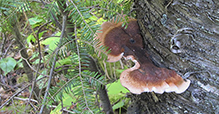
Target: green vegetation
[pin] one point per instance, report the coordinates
(60, 58)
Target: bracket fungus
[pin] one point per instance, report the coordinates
(144, 76)
(114, 36)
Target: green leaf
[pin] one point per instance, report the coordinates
(34, 20)
(68, 99)
(116, 88)
(43, 82)
(52, 42)
(30, 37)
(7, 64)
(41, 33)
(24, 7)
(64, 61)
(119, 70)
(118, 105)
(116, 91)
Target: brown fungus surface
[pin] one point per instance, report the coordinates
(115, 37)
(144, 76)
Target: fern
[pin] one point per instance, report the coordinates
(7, 10)
(78, 84)
(84, 83)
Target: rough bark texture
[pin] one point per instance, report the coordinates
(182, 35)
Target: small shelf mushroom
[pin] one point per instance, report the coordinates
(114, 36)
(144, 76)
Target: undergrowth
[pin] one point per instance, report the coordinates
(74, 86)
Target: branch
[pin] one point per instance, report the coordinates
(24, 54)
(14, 96)
(18, 98)
(18, 93)
(55, 19)
(79, 61)
(54, 62)
(68, 111)
(102, 92)
(40, 58)
(107, 107)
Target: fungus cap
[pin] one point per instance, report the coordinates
(114, 36)
(147, 78)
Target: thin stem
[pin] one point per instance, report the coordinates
(40, 58)
(79, 61)
(54, 62)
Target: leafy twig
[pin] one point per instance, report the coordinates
(27, 62)
(55, 19)
(79, 12)
(54, 62)
(79, 64)
(40, 58)
(53, 106)
(69, 81)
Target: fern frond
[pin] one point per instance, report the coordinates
(81, 83)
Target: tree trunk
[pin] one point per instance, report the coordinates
(182, 35)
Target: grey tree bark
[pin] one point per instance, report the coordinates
(182, 35)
